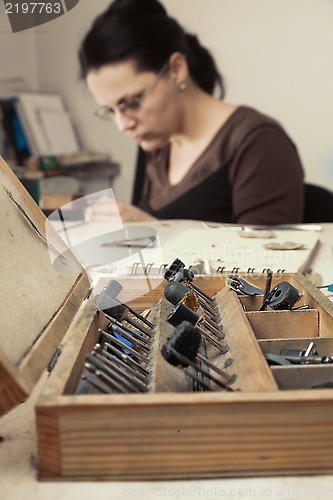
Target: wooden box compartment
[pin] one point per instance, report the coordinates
(295, 330)
(301, 376)
(51, 323)
(168, 435)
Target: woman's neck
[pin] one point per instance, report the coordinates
(203, 116)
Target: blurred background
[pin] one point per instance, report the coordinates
(275, 55)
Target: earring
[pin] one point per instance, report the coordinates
(182, 86)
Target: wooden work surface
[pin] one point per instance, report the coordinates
(18, 470)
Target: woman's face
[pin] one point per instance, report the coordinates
(146, 106)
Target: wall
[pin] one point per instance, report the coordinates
(276, 55)
(18, 53)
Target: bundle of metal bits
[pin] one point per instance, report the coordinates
(183, 313)
(210, 320)
(107, 302)
(119, 362)
(115, 371)
(178, 272)
(194, 305)
(181, 350)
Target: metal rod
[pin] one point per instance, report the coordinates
(127, 358)
(198, 380)
(140, 317)
(212, 340)
(146, 336)
(230, 378)
(200, 292)
(105, 366)
(267, 290)
(129, 320)
(204, 372)
(130, 338)
(118, 342)
(114, 357)
(212, 328)
(111, 383)
(96, 383)
(207, 307)
(135, 323)
(135, 333)
(108, 380)
(121, 369)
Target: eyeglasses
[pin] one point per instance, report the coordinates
(132, 105)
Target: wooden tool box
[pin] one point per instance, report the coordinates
(274, 425)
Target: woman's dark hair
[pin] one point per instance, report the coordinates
(142, 31)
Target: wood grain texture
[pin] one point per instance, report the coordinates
(38, 301)
(79, 340)
(302, 377)
(316, 300)
(164, 376)
(322, 345)
(39, 356)
(174, 436)
(13, 388)
(253, 373)
(284, 324)
(32, 291)
(49, 443)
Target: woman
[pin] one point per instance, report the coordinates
(205, 159)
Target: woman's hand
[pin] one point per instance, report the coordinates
(130, 213)
(108, 210)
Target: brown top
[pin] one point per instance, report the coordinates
(250, 173)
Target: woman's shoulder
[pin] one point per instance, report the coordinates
(246, 122)
(246, 118)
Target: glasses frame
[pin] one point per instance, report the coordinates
(131, 106)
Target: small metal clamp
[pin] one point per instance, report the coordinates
(242, 286)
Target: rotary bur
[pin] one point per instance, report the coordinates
(181, 350)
